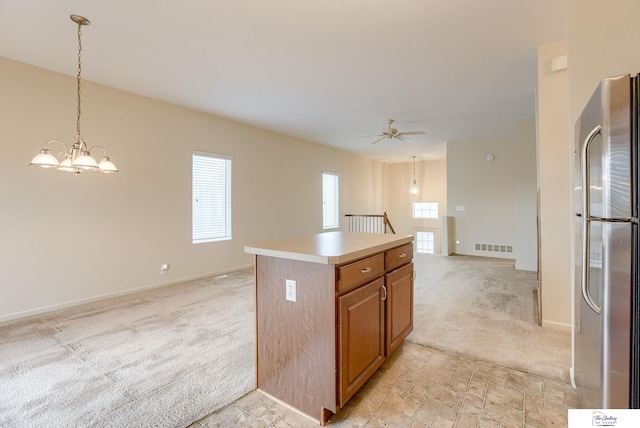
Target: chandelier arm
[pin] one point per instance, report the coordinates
(66, 149)
(98, 147)
(80, 144)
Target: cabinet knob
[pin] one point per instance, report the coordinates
(365, 270)
(401, 255)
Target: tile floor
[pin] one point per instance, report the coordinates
(423, 387)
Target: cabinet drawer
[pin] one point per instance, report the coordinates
(360, 272)
(398, 256)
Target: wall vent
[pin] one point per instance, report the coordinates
(494, 248)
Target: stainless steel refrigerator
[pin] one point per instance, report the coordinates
(606, 316)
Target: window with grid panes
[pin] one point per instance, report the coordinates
(425, 210)
(425, 242)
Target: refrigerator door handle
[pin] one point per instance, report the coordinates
(586, 256)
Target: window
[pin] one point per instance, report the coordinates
(425, 242)
(425, 210)
(330, 210)
(211, 194)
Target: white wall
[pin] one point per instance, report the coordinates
(554, 180)
(603, 41)
(486, 190)
(526, 246)
(498, 196)
(68, 239)
(431, 178)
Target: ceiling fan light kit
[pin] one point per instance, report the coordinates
(78, 158)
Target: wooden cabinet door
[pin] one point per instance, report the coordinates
(399, 307)
(361, 337)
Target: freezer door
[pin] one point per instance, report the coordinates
(602, 340)
(587, 370)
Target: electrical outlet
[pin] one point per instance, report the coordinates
(164, 268)
(291, 290)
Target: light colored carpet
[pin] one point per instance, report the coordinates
(162, 358)
(484, 308)
(170, 356)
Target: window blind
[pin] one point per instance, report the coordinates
(211, 197)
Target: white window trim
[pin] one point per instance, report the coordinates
(336, 202)
(413, 210)
(433, 234)
(199, 237)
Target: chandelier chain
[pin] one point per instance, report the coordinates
(78, 78)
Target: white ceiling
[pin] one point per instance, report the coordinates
(327, 71)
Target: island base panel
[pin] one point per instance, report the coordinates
(296, 342)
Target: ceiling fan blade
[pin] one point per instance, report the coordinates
(369, 136)
(412, 133)
(402, 138)
(378, 140)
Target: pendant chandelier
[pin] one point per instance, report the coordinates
(414, 187)
(77, 159)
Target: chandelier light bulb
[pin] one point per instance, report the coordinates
(414, 189)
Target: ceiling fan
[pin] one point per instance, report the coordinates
(390, 133)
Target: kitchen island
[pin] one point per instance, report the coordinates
(330, 308)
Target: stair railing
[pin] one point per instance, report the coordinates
(369, 223)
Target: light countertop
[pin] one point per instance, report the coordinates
(332, 248)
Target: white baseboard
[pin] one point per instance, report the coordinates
(557, 325)
(572, 377)
(51, 308)
(525, 267)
